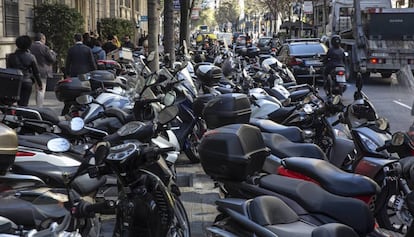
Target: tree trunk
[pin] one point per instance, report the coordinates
(185, 21)
(168, 37)
(153, 32)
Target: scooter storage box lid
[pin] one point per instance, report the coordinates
(227, 109)
(8, 150)
(102, 78)
(10, 84)
(200, 102)
(232, 152)
(208, 74)
(68, 89)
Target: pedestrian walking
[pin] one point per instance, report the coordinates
(45, 58)
(79, 59)
(128, 43)
(97, 50)
(25, 61)
(109, 45)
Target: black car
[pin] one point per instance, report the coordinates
(267, 44)
(304, 58)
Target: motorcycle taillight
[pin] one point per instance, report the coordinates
(341, 73)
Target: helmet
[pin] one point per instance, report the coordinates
(335, 40)
(361, 111)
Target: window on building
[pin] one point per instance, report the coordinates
(127, 3)
(11, 17)
(136, 5)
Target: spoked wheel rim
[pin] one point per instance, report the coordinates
(181, 224)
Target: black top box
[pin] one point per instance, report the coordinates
(227, 109)
(233, 152)
(10, 84)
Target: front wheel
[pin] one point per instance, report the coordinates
(392, 212)
(181, 223)
(193, 140)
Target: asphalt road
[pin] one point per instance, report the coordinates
(393, 99)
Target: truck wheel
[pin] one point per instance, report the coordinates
(386, 74)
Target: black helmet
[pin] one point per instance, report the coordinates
(336, 40)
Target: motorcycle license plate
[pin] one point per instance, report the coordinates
(340, 78)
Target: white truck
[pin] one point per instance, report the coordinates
(378, 38)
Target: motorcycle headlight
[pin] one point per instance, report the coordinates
(370, 144)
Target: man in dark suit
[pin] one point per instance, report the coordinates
(45, 58)
(79, 59)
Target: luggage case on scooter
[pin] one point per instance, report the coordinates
(233, 152)
(68, 89)
(8, 148)
(102, 79)
(10, 85)
(227, 109)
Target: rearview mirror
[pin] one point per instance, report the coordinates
(76, 124)
(58, 145)
(336, 100)
(169, 98)
(382, 124)
(397, 139)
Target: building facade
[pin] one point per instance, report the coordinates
(16, 17)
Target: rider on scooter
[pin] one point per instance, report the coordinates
(335, 57)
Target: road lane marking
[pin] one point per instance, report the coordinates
(402, 104)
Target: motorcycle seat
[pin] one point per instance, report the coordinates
(29, 215)
(299, 94)
(292, 133)
(52, 175)
(281, 114)
(274, 215)
(36, 141)
(282, 147)
(47, 114)
(331, 178)
(315, 199)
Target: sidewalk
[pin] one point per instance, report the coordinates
(198, 192)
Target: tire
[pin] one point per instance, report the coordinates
(181, 225)
(193, 140)
(392, 213)
(386, 74)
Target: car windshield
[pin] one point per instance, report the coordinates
(264, 41)
(307, 49)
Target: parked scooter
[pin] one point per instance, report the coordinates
(240, 153)
(268, 216)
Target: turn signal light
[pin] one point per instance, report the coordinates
(373, 60)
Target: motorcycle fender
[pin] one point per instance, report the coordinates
(340, 150)
(371, 166)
